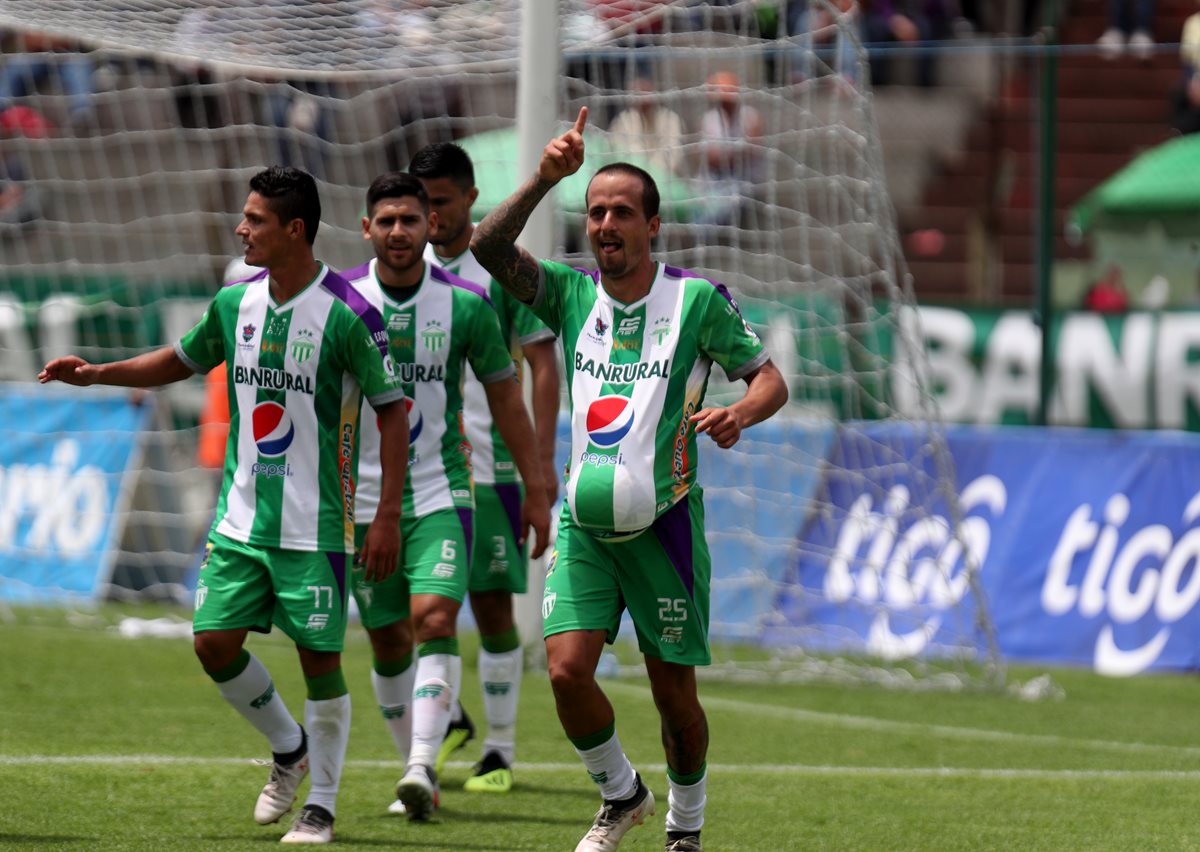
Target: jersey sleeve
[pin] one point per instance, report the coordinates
(203, 347)
(486, 350)
(727, 338)
(526, 325)
(368, 358)
(548, 307)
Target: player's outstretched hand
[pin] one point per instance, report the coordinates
(381, 550)
(70, 369)
(535, 512)
(721, 424)
(563, 155)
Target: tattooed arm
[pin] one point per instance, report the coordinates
(494, 242)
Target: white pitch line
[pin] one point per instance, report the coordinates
(870, 723)
(715, 768)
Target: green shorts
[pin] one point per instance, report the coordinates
(248, 586)
(434, 560)
(498, 561)
(662, 577)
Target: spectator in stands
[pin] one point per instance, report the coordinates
(649, 129)
(824, 32)
(1130, 24)
(1185, 97)
(42, 57)
(906, 22)
(733, 161)
(628, 23)
(198, 31)
(19, 203)
(1107, 295)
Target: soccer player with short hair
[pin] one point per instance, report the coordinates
(302, 349)
(498, 565)
(437, 324)
(639, 339)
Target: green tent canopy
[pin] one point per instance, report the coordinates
(1163, 185)
(494, 154)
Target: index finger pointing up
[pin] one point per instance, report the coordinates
(581, 120)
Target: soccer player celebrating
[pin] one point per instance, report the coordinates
(437, 324)
(498, 565)
(302, 349)
(639, 339)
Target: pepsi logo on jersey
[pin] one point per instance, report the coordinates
(609, 419)
(273, 429)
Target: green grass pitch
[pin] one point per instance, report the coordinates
(115, 743)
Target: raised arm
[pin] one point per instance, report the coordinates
(150, 369)
(494, 242)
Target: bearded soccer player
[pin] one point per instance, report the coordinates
(639, 339)
(437, 325)
(302, 349)
(498, 565)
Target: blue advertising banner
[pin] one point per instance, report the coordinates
(65, 461)
(1088, 544)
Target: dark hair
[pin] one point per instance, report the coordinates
(290, 194)
(444, 160)
(396, 185)
(650, 197)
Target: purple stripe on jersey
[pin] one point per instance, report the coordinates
(340, 288)
(439, 274)
(466, 517)
(355, 272)
(593, 274)
(510, 498)
(257, 276)
(676, 272)
(674, 530)
(337, 564)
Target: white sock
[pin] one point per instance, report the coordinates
(500, 679)
(328, 724)
(436, 674)
(394, 695)
(252, 693)
(610, 769)
(686, 805)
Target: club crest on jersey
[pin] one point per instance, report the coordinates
(248, 332)
(434, 336)
(609, 419)
(661, 330)
(303, 346)
(273, 429)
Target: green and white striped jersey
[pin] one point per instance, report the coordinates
(448, 324)
(491, 462)
(298, 373)
(636, 374)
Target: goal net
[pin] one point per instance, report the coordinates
(837, 530)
